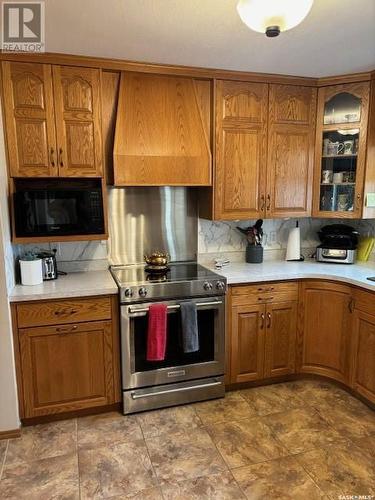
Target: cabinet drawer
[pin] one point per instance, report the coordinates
(264, 293)
(63, 311)
(364, 301)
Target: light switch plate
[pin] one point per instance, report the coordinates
(370, 200)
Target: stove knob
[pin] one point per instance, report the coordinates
(207, 286)
(142, 292)
(128, 293)
(220, 285)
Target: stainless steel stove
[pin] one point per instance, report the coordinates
(180, 377)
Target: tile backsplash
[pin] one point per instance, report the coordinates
(215, 239)
(222, 238)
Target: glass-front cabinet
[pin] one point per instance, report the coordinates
(340, 150)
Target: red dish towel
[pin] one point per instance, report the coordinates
(157, 332)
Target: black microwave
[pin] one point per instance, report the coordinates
(58, 207)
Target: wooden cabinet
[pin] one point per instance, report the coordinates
(325, 329)
(30, 120)
(281, 322)
(53, 122)
(247, 343)
(251, 119)
(241, 149)
(68, 355)
(78, 125)
(161, 136)
(341, 139)
(363, 354)
(263, 331)
(291, 136)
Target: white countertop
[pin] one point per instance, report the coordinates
(81, 284)
(355, 274)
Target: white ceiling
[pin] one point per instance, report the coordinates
(337, 37)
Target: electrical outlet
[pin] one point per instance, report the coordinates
(370, 200)
(273, 238)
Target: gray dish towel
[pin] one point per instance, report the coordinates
(190, 338)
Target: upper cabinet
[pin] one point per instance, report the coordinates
(30, 119)
(53, 123)
(78, 125)
(161, 135)
(241, 149)
(264, 151)
(291, 138)
(341, 150)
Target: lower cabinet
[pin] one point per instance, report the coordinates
(247, 349)
(280, 338)
(68, 366)
(324, 337)
(362, 377)
(263, 341)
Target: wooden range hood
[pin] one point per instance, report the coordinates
(161, 138)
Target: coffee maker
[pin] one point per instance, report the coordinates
(338, 244)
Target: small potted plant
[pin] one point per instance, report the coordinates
(254, 249)
(31, 269)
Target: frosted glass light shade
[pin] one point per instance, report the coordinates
(282, 14)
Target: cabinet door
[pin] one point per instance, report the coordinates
(363, 355)
(30, 122)
(341, 143)
(248, 323)
(281, 321)
(291, 138)
(241, 145)
(325, 329)
(78, 121)
(66, 367)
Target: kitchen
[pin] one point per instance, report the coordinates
(186, 254)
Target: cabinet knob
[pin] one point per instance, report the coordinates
(52, 157)
(262, 321)
(268, 202)
(358, 202)
(263, 203)
(269, 320)
(60, 159)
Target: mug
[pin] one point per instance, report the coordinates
(343, 202)
(338, 177)
(327, 176)
(326, 143)
(346, 176)
(335, 148)
(348, 147)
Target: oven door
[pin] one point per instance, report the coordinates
(177, 365)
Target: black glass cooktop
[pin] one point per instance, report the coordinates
(181, 271)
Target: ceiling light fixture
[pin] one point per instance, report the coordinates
(273, 16)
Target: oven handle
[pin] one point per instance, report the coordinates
(179, 389)
(134, 310)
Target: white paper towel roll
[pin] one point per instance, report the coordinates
(293, 250)
(31, 272)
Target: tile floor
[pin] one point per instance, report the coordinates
(300, 440)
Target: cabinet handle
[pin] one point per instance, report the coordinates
(351, 305)
(60, 157)
(263, 203)
(269, 320)
(65, 311)
(66, 329)
(262, 322)
(358, 203)
(51, 157)
(268, 202)
(265, 298)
